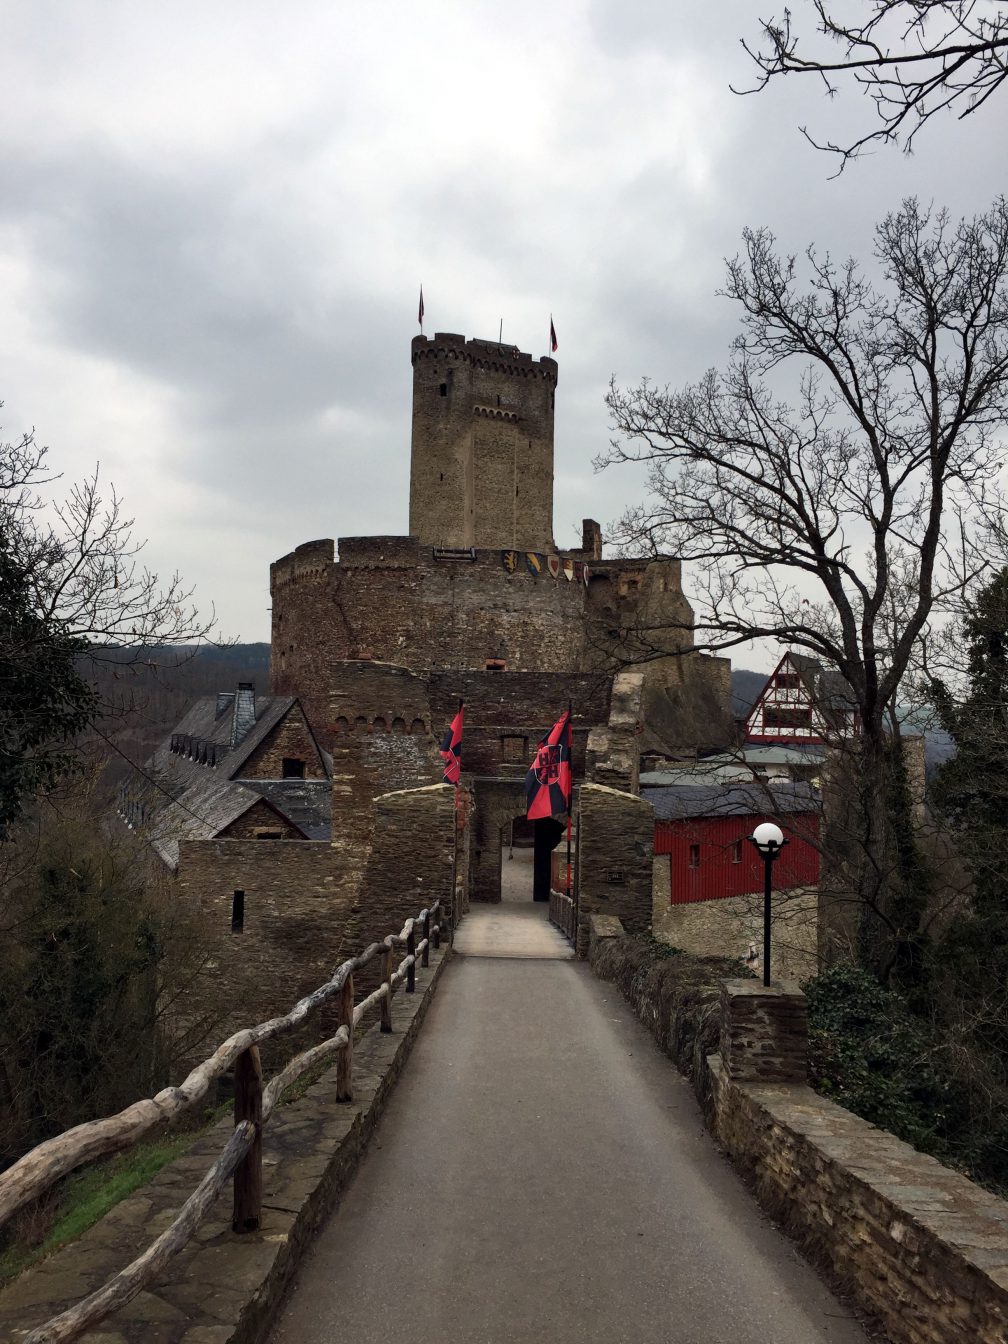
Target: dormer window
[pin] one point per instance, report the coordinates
(292, 768)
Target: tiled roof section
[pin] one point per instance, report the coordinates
(679, 801)
(307, 802)
(198, 813)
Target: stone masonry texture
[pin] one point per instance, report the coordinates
(764, 1032)
(615, 839)
(481, 467)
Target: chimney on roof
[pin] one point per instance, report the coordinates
(244, 716)
(225, 699)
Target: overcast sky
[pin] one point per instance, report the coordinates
(215, 219)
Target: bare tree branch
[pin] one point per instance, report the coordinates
(913, 58)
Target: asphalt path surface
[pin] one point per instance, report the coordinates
(542, 1174)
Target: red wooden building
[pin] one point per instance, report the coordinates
(704, 831)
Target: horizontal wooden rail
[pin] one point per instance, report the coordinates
(130, 1281)
(44, 1165)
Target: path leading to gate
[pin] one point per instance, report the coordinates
(542, 1174)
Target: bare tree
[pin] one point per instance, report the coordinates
(913, 59)
(81, 559)
(823, 521)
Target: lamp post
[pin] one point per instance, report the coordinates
(769, 840)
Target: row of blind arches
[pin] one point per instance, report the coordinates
(378, 725)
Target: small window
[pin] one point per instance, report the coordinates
(268, 833)
(736, 852)
(444, 389)
(777, 718)
(495, 665)
(694, 856)
(787, 681)
(293, 768)
(238, 912)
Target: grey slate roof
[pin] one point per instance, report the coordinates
(679, 801)
(190, 800)
(307, 802)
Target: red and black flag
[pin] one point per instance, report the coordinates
(451, 748)
(548, 782)
(553, 339)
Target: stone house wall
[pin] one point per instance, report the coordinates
(260, 816)
(295, 913)
(290, 739)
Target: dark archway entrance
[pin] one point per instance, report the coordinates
(548, 834)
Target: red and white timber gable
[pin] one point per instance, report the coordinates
(801, 704)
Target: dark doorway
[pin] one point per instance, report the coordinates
(548, 834)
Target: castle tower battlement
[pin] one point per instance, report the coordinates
(481, 461)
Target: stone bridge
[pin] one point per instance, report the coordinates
(542, 1173)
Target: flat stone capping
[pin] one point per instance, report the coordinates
(923, 1248)
(222, 1288)
(764, 1031)
(604, 926)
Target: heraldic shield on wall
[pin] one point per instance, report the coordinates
(548, 782)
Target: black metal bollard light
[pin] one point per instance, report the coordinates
(769, 841)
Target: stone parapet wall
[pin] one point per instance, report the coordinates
(920, 1247)
(411, 860)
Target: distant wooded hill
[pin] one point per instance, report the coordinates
(145, 692)
(745, 687)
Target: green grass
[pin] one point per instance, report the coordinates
(85, 1196)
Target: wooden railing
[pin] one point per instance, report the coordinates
(241, 1157)
(563, 912)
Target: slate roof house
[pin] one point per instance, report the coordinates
(237, 766)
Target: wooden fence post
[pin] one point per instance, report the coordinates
(425, 955)
(344, 1060)
(411, 968)
(386, 1007)
(248, 1082)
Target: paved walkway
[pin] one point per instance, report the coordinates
(542, 1175)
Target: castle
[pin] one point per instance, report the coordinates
(375, 640)
(477, 603)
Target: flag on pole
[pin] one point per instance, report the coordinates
(420, 309)
(548, 782)
(451, 748)
(553, 339)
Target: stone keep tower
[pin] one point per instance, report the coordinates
(481, 463)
